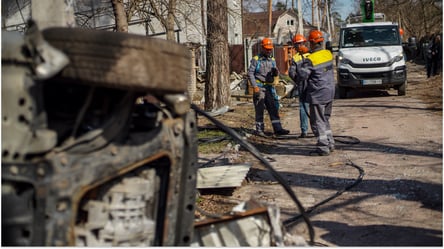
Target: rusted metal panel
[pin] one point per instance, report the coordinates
(237, 58)
(251, 228)
(249, 224)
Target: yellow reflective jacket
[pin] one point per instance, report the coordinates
(317, 69)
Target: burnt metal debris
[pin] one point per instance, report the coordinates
(83, 162)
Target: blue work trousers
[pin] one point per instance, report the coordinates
(304, 108)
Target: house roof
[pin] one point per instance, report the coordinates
(255, 24)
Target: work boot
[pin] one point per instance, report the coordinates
(282, 132)
(260, 133)
(303, 135)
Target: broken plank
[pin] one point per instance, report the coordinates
(227, 176)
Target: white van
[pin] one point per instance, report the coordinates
(370, 56)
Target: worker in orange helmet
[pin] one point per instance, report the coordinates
(261, 73)
(299, 41)
(317, 70)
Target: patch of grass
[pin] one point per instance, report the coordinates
(199, 199)
(212, 141)
(285, 78)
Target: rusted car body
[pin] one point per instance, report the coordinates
(98, 141)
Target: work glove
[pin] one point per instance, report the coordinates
(274, 72)
(256, 91)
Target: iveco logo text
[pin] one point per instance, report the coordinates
(371, 59)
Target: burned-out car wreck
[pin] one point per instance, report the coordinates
(99, 147)
(97, 140)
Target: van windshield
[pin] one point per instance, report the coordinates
(370, 36)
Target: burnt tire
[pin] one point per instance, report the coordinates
(122, 60)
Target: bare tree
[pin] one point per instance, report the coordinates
(164, 11)
(217, 92)
(202, 16)
(416, 17)
(167, 13)
(120, 16)
(170, 19)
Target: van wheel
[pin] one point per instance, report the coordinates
(402, 89)
(342, 92)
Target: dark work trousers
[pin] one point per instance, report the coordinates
(265, 100)
(320, 125)
(429, 67)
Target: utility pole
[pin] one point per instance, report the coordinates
(315, 13)
(318, 13)
(324, 12)
(328, 19)
(301, 20)
(269, 17)
(312, 12)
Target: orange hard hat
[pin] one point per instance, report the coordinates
(315, 36)
(299, 38)
(267, 43)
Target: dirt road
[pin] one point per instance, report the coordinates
(399, 200)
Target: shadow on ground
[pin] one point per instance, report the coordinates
(378, 235)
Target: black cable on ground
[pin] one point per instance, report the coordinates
(291, 220)
(212, 140)
(340, 139)
(258, 155)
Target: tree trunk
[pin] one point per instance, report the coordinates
(120, 16)
(217, 88)
(170, 20)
